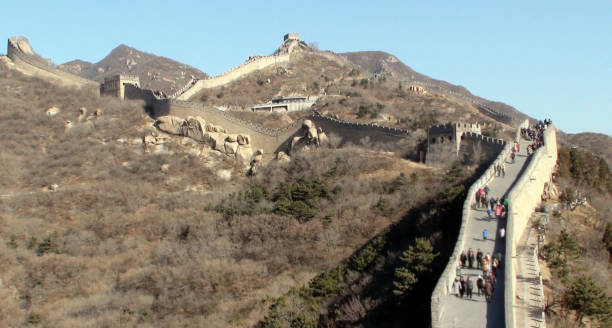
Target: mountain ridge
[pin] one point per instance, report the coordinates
(155, 72)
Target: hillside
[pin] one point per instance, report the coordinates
(596, 143)
(382, 63)
(156, 73)
(99, 230)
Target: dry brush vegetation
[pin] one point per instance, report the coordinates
(123, 243)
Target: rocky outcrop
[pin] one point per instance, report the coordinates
(312, 137)
(170, 124)
(216, 137)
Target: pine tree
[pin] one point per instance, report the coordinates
(586, 298)
(415, 262)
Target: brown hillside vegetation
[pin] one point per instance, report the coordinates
(596, 143)
(579, 243)
(121, 242)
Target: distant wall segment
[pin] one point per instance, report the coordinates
(234, 74)
(39, 67)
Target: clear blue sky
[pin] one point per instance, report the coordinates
(546, 58)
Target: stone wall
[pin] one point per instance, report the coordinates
(35, 65)
(270, 140)
(443, 286)
(523, 199)
(233, 74)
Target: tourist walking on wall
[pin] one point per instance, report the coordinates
(480, 284)
(490, 213)
(485, 234)
(463, 258)
(462, 287)
(456, 286)
(479, 259)
(488, 291)
(469, 285)
(471, 258)
(502, 233)
(498, 211)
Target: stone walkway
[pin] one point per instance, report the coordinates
(476, 313)
(529, 292)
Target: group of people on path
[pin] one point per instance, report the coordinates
(485, 282)
(535, 134)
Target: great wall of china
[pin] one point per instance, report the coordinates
(523, 197)
(21, 54)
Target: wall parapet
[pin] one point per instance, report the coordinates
(523, 199)
(443, 287)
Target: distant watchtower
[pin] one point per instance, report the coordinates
(291, 36)
(115, 85)
(444, 141)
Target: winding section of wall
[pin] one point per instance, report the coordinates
(270, 140)
(234, 74)
(523, 199)
(28, 63)
(444, 284)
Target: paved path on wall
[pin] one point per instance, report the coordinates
(476, 313)
(530, 297)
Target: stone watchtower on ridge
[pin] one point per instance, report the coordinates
(115, 85)
(444, 141)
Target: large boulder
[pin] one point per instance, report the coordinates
(323, 139)
(194, 128)
(307, 125)
(312, 134)
(170, 124)
(232, 138)
(216, 140)
(244, 154)
(244, 139)
(230, 147)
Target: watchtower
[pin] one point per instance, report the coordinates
(115, 85)
(291, 36)
(444, 141)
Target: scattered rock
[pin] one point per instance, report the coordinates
(165, 168)
(282, 157)
(82, 114)
(68, 125)
(52, 111)
(225, 175)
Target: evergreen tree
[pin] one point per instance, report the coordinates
(586, 298)
(415, 262)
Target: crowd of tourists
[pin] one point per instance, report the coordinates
(484, 282)
(536, 135)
